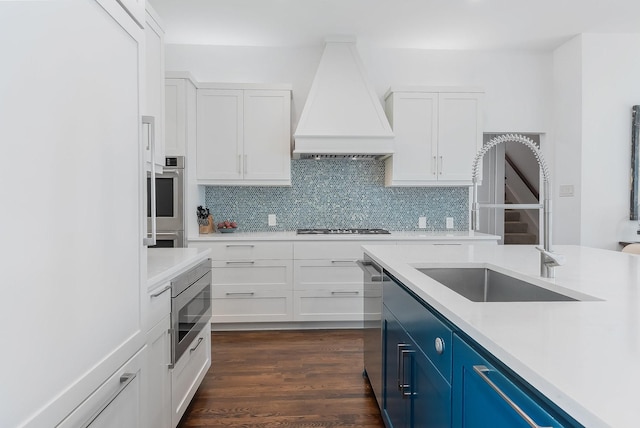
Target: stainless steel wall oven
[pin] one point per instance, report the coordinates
(190, 307)
(169, 217)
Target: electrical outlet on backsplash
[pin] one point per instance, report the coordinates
(338, 194)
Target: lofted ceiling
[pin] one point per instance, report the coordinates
(420, 24)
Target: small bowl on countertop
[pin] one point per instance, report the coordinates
(227, 229)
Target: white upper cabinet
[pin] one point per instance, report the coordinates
(438, 132)
(154, 84)
(244, 136)
(179, 108)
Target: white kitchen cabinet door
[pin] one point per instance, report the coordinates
(414, 117)
(438, 134)
(267, 136)
(154, 83)
(459, 134)
(70, 116)
(158, 378)
(220, 128)
(244, 137)
(179, 115)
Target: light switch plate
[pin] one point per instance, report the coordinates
(422, 222)
(272, 220)
(566, 190)
(449, 222)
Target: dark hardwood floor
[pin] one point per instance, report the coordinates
(310, 378)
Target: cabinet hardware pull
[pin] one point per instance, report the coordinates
(200, 339)
(168, 287)
(245, 262)
(481, 370)
(345, 292)
(433, 165)
(441, 165)
(150, 120)
(245, 164)
(401, 347)
(343, 261)
(238, 293)
(439, 345)
(406, 386)
(238, 164)
(240, 245)
(125, 380)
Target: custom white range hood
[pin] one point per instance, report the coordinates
(343, 116)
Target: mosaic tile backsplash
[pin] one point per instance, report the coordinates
(338, 194)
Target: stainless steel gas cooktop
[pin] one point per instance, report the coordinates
(342, 232)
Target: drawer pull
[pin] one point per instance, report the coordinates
(240, 245)
(125, 380)
(165, 289)
(200, 339)
(245, 262)
(238, 293)
(350, 293)
(344, 261)
(481, 370)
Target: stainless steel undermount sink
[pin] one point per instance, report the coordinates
(487, 285)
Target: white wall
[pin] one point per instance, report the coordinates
(517, 84)
(596, 85)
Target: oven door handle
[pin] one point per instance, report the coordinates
(151, 121)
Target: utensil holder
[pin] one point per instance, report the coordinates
(207, 228)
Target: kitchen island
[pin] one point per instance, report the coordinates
(582, 355)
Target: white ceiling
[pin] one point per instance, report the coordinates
(422, 24)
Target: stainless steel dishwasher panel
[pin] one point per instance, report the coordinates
(372, 328)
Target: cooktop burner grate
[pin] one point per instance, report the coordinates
(342, 232)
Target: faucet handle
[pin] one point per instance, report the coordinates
(551, 258)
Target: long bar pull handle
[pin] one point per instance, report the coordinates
(481, 370)
(245, 262)
(407, 389)
(351, 293)
(238, 293)
(200, 339)
(164, 290)
(125, 380)
(151, 121)
(344, 261)
(401, 347)
(238, 164)
(240, 245)
(434, 165)
(245, 164)
(441, 165)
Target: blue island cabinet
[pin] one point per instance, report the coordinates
(484, 396)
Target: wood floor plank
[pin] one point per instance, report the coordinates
(282, 379)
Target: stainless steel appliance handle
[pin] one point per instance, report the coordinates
(125, 380)
(369, 268)
(200, 339)
(164, 290)
(481, 370)
(150, 120)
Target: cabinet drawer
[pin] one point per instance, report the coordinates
(264, 274)
(188, 373)
(251, 304)
(328, 305)
(247, 250)
(326, 274)
(422, 325)
(332, 250)
(159, 304)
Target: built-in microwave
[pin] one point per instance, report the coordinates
(169, 186)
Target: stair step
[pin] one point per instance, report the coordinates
(510, 215)
(520, 239)
(515, 227)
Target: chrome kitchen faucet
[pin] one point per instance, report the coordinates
(548, 259)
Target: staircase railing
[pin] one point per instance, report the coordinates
(522, 177)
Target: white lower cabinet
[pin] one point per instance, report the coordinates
(116, 403)
(188, 373)
(158, 399)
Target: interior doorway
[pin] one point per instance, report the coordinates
(510, 176)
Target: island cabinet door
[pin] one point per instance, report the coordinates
(396, 407)
(485, 397)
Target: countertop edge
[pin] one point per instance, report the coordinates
(178, 266)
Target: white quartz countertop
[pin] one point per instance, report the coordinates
(584, 356)
(165, 263)
(393, 236)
